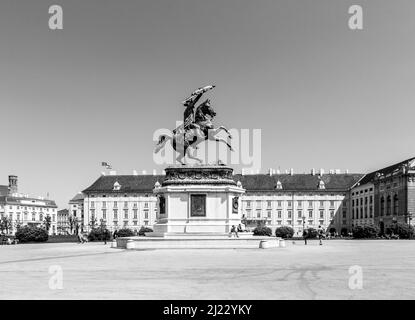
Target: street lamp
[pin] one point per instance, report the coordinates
(409, 217)
(303, 217)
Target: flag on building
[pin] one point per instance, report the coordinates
(106, 165)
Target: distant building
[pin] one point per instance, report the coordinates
(121, 202)
(63, 221)
(24, 210)
(393, 192)
(296, 200)
(76, 209)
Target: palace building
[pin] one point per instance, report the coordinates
(385, 196)
(336, 201)
(296, 200)
(24, 210)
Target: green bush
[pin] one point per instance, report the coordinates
(284, 232)
(31, 234)
(99, 234)
(125, 232)
(312, 233)
(143, 230)
(400, 229)
(262, 231)
(365, 232)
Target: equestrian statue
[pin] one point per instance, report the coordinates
(197, 127)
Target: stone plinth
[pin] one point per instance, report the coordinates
(208, 241)
(197, 199)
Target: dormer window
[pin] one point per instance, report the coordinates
(321, 185)
(279, 185)
(117, 186)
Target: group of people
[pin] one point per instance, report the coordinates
(235, 230)
(320, 235)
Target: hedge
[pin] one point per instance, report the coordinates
(31, 234)
(125, 232)
(143, 230)
(284, 232)
(262, 231)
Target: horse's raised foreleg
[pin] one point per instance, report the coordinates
(219, 129)
(224, 141)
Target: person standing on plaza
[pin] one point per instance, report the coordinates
(320, 234)
(305, 235)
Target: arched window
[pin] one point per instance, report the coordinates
(388, 206)
(396, 205)
(382, 206)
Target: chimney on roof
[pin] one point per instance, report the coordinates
(321, 171)
(291, 171)
(154, 172)
(338, 171)
(12, 184)
(313, 172)
(144, 172)
(102, 173)
(270, 171)
(331, 171)
(278, 171)
(347, 171)
(135, 173)
(243, 171)
(113, 173)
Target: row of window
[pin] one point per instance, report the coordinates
(361, 191)
(360, 200)
(27, 208)
(32, 216)
(299, 214)
(289, 203)
(115, 204)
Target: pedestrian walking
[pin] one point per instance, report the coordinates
(320, 234)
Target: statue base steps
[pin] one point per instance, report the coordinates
(196, 242)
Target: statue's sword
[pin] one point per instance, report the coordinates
(198, 91)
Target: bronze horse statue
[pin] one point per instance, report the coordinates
(185, 138)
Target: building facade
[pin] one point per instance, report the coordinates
(62, 221)
(363, 206)
(295, 200)
(393, 193)
(23, 210)
(76, 210)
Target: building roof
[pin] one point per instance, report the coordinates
(128, 183)
(251, 182)
(79, 196)
(368, 178)
(4, 190)
(28, 202)
(63, 212)
(297, 182)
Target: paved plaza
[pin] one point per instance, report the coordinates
(96, 271)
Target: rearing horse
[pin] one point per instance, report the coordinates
(202, 129)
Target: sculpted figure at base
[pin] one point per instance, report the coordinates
(197, 127)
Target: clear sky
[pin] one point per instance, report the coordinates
(324, 96)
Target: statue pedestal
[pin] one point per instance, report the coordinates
(197, 201)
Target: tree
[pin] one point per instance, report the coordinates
(6, 224)
(284, 232)
(93, 222)
(72, 222)
(47, 222)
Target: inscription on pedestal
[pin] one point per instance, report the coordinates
(198, 205)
